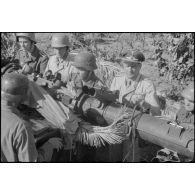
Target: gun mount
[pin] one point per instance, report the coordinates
(149, 128)
(152, 129)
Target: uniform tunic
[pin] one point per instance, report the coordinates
(185, 118)
(17, 140)
(131, 93)
(94, 82)
(61, 66)
(37, 59)
(87, 153)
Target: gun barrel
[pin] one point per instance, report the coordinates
(152, 129)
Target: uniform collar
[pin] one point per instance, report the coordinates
(34, 53)
(133, 83)
(91, 80)
(9, 107)
(60, 62)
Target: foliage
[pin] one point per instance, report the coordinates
(180, 65)
(8, 48)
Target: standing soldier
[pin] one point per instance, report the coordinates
(59, 63)
(17, 141)
(30, 57)
(133, 89)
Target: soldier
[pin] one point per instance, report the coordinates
(185, 116)
(85, 64)
(30, 57)
(59, 63)
(133, 88)
(17, 141)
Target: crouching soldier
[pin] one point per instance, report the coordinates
(185, 116)
(85, 64)
(17, 141)
(84, 75)
(31, 59)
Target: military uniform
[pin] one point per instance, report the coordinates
(132, 93)
(185, 117)
(93, 81)
(87, 153)
(135, 92)
(37, 59)
(17, 140)
(64, 67)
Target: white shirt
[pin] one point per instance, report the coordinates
(134, 92)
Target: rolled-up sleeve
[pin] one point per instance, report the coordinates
(151, 98)
(47, 65)
(43, 64)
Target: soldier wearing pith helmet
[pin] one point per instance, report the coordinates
(31, 59)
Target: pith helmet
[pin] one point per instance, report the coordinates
(189, 92)
(86, 61)
(14, 86)
(31, 36)
(60, 40)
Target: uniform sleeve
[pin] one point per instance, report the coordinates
(17, 57)
(151, 98)
(114, 85)
(45, 153)
(47, 66)
(26, 148)
(43, 64)
(25, 145)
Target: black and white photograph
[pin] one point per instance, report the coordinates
(97, 97)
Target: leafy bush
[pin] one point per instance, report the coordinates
(8, 48)
(180, 48)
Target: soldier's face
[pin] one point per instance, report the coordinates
(25, 43)
(132, 69)
(189, 105)
(83, 74)
(61, 52)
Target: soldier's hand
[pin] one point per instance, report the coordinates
(145, 106)
(56, 143)
(187, 126)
